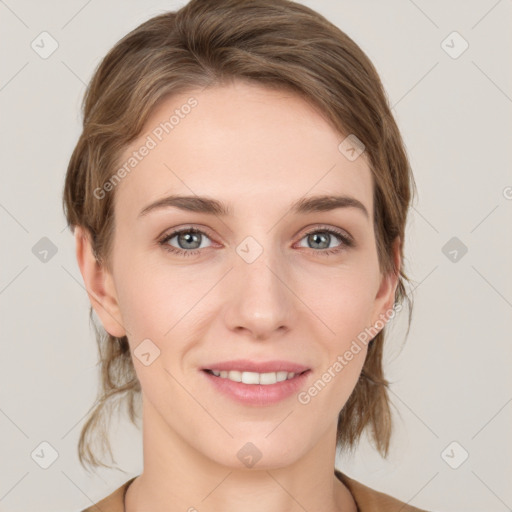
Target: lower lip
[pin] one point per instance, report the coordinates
(258, 394)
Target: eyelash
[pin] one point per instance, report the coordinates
(346, 241)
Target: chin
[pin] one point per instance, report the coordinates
(252, 452)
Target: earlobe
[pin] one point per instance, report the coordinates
(99, 285)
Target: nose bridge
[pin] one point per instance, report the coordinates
(261, 302)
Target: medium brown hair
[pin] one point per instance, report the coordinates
(274, 43)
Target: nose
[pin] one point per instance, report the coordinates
(261, 302)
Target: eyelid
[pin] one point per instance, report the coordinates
(186, 227)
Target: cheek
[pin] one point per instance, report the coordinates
(142, 307)
(344, 300)
(163, 305)
(149, 296)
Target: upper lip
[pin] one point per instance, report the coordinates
(245, 365)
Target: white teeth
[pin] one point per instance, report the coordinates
(253, 377)
(233, 375)
(249, 377)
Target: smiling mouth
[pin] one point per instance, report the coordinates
(255, 378)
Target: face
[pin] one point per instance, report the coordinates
(263, 281)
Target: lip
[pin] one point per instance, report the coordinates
(245, 365)
(258, 394)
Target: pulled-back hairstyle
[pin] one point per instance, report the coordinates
(273, 43)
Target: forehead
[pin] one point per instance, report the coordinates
(238, 142)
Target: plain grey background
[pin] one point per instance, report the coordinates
(451, 449)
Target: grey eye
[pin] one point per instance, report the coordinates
(321, 239)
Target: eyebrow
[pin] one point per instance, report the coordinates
(211, 206)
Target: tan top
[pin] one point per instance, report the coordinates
(367, 499)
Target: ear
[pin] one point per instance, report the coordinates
(385, 297)
(99, 285)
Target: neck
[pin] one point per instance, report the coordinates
(181, 477)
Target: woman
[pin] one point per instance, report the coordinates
(239, 196)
